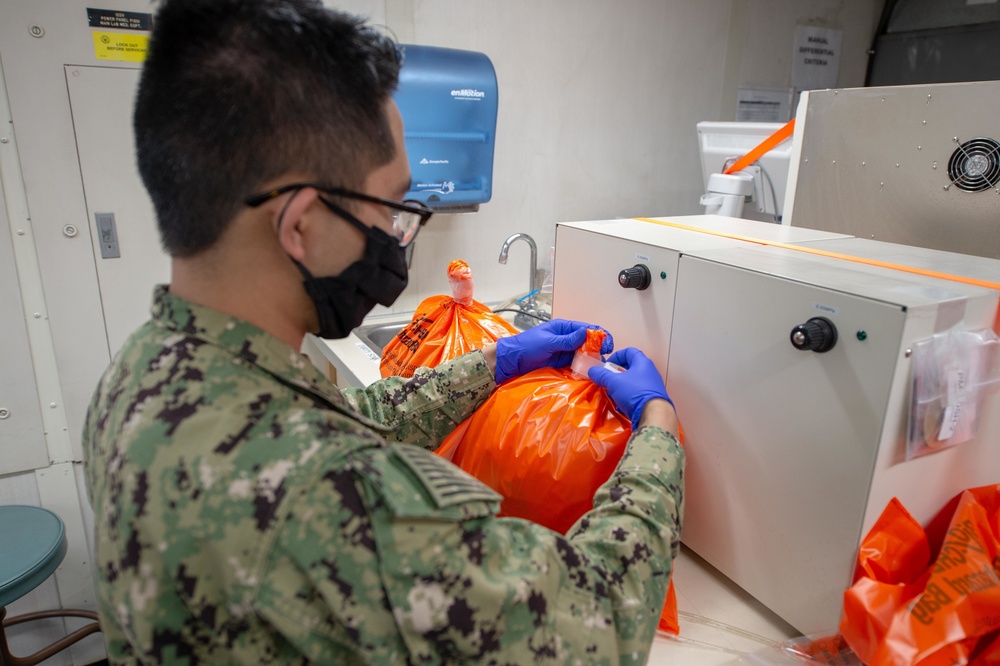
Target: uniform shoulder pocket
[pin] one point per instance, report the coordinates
(416, 483)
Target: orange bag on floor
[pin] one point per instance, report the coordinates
(443, 328)
(546, 441)
(929, 597)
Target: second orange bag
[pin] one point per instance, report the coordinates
(443, 328)
(929, 597)
(546, 441)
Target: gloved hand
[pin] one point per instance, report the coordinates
(632, 389)
(550, 345)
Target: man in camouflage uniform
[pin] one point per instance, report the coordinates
(249, 511)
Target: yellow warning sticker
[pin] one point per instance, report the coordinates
(121, 46)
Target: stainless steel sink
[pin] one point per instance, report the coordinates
(377, 336)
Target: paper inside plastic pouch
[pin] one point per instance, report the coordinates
(952, 373)
(583, 362)
(589, 355)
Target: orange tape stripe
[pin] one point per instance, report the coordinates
(833, 255)
(764, 146)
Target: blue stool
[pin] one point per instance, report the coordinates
(34, 543)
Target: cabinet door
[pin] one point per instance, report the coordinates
(101, 99)
(780, 442)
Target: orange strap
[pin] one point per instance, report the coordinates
(832, 255)
(764, 146)
(843, 257)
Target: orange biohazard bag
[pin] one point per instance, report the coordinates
(546, 441)
(443, 328)
(929, 597)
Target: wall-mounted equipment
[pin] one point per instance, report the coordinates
(448, 100)
(756, 192)
(917, 165)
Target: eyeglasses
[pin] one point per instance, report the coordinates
(407, 218)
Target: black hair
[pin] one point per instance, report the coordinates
(235, 93)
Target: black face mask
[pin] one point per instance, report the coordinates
(380, 276)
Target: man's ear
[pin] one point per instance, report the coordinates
(294, 222)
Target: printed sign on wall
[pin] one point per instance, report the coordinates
(816, 60)
(126, 47)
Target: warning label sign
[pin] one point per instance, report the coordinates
(126, 47)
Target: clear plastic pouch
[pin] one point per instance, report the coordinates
(952, 371)
(584, 361)
(828, 650)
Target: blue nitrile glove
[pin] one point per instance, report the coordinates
(632, 389)
(548, 345)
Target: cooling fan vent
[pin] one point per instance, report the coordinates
(975, 165)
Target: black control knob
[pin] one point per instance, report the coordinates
(818, 335)
(637, 277)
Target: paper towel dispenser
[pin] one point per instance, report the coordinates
(448, 100)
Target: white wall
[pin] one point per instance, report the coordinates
(598, 106)
(766, 29)
(769, 25)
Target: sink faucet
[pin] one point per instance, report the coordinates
(534, 257)
(530, 314)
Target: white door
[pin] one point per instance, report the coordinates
(101, 99)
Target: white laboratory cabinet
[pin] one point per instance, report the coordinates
(792, 453)
(590, 255)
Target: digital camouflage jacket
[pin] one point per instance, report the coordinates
(248, 511)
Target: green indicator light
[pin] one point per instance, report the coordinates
(862, 336)
(663, 275)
